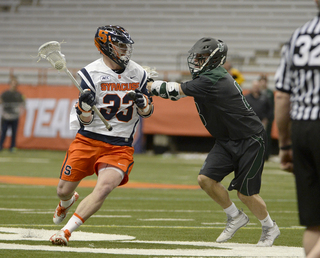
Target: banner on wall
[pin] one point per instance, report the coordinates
(45, 121)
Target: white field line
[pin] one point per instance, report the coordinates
(205, 225)
(230, 251)
(7, 233)
(165, 219)
(128, 210)
(111, 216)
(211, 250)
(24, 160)
(148, 226)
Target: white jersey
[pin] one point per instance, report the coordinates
(110, 90)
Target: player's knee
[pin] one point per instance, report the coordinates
(201, 180)
(240, 196)
(205, 181)
(64, 192)
(106, 191)
(244, 198)
(102, 191)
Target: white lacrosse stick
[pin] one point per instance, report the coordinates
(51, 51)
(151, 72)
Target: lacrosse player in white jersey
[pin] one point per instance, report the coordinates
(109, 154)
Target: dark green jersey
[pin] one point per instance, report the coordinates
(221, 105)
(12, 101)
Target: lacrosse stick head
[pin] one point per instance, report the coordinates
(151, 72)
(51, 51)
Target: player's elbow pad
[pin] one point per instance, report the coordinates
(166, 90)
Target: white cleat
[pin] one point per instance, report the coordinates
(233, 224)
(269, 234)
(61, 212)
(61, 237)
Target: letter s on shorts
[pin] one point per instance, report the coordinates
(67, 170)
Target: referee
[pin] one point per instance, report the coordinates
(297, 112)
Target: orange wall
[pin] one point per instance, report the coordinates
(179, 118)
(174, 118)
(45, 122)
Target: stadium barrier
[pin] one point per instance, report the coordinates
(45, 121)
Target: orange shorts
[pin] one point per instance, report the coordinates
(84, 156)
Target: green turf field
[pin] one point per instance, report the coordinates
(155, 219)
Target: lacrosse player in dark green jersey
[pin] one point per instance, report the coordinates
(240, 138)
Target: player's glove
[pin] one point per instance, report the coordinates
(86, 100)
(139, 98)
(165, 90)
(85, 103)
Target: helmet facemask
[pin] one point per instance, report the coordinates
(120, 53)
(115, 43)
(196, 62)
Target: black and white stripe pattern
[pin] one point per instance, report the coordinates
(299, 71)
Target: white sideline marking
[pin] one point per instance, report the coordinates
(238, 250)
(222, 226)
(166, 219)
(111, 216)
(24, 160)
(119, 210)
(44, 235)
(223, 249)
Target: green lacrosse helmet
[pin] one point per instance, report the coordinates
(206, 54)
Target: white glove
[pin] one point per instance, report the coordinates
(166, 90)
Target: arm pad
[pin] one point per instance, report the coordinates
(166, 90)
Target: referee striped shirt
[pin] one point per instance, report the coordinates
(299, 71)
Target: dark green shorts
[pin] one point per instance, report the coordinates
(244, 157)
